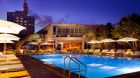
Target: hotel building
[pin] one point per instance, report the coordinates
(70, 36)
(22, 18)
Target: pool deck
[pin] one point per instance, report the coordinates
(38, 69)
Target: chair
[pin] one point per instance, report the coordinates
(97, 52)
(128, 53)
(104, 51)
(85, 51)
(111, 52)
(136, 54)
(10, 62)
(18, 74)
(119, 53)
(90, 51)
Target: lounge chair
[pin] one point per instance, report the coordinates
(104, 51)
(111, 52)
(85, 51)
(90, 51)
(9, 68)
(10, 63)
(97, 52)
(120, 52)
(136, 54)
(128, 53)
(18, 74)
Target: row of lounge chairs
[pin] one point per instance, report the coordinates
(113, 52)
(11, 67)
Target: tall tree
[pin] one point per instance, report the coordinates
(128, 27)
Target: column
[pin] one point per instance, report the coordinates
(83, 44)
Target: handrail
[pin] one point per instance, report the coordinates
(78, 62)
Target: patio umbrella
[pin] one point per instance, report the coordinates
(33, 43)
(8, 41)
(10, 27)
(108, 41)
(46, 43)
(5, 38)
(94, 41)
(128, 39)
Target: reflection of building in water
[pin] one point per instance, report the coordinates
(71, 36)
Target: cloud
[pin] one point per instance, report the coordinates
(63, 19)
(43, 20)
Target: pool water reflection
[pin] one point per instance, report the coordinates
(97, 66)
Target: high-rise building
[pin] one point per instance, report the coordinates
(22, 18)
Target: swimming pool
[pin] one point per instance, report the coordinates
(97, 66)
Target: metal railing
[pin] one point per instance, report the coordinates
(78, 62)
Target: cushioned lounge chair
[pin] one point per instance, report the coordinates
(18, 74)
(119, 52)
(97, 52)
(111, 52)
(104, 51)
(90, 51)
(128, 53)
(85, 51)
(10, 63)
(136, 54)
(8, 68)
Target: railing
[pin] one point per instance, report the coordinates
(78, 62)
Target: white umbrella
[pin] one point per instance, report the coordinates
(33, 43)
(46, 43)
(94, 41)
(108, 40)
(10, 27)
(8, 41)
(6, 37)
(127, 39)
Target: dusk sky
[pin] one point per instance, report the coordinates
(73, 11)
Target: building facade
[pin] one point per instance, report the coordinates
(70, 36)
(22, 18)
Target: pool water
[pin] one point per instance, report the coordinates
(97, 66)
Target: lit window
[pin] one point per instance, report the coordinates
(25, 24)
(25, 21)
(21, 18)
(29, 24)
(17, 17)
(21, 21)
(17, 20)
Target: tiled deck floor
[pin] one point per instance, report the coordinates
(36, 70)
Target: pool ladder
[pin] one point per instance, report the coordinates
(78, 62)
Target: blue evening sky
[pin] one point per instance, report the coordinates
(73, 11)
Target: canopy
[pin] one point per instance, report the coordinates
(10, 27)
(108, 40)
(94, 41)
(8, 41)
(46, 43)
(7, 37)
(127, 39)
(33, 43)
